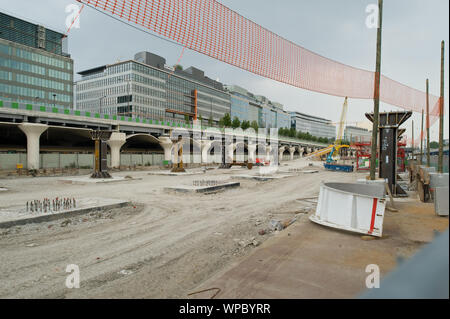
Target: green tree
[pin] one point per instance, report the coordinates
(186, 118)
(292, 132)
(210, 121)
(225, 121)
(255, 126)
(434, 144)
(245, 125)
(178, 67)
(236, 123)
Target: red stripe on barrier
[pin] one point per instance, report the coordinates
(374, 210)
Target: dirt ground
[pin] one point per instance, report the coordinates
(164, 246)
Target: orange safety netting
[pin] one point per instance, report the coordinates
(210, 28)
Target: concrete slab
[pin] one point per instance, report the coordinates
(311, 261)
(169, 173)
(262, 178)
(89, 180)
(203, 189)
(17, 215)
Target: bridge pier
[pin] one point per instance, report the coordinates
(33, 132)
(301, 150)
(115, 143)
(167, 146)
(206, 145)
(291, 152)
(251, 153)
(280, 153)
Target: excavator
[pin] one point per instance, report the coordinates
(333, 150)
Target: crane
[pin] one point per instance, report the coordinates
(334, 148)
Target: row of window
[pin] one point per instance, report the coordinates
(60, 75)
(33, 93)
(17, 90)
(103, 82)
(22, 66)
(40, 58)
(31, 80)
(4, 75)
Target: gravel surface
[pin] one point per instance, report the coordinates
(162, 246)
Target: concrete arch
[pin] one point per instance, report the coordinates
(142, 136)
(141, 141)
(242, 147)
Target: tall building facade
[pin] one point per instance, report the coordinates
(357, 134)
(249, 107)
(147, 88)
(34, 67)
(316, 126)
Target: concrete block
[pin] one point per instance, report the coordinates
(441, 205)
(18, 216)
(203, 189)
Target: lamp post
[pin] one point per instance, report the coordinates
(54, 100)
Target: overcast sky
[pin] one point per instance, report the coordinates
(412, 32)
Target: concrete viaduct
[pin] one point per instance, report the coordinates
(71, 129)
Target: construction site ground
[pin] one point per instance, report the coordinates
(169, 245)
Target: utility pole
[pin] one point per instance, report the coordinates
(428, 128)
(421, 141)
(376, 97)
(412, 142)
(441, 114)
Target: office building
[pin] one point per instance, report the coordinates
(34, 65)
(146, 87)
(357, 134)
(316, 126)
(249, 107)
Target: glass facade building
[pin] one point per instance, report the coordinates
(248, 107)
(357, 134)
(316, 126)
(146, 88)
(33, 65)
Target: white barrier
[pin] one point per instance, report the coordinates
(351, 206)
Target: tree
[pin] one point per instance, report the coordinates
(292, 132)
(186, 118)
(178, 67)
(434, 144)
(210, 121)
(254, 125)
(245, 125)
(225, 121)
(200, 119)
(236, 123)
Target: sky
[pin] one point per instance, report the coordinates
(412, 35)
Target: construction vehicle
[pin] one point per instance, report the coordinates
(333, 150)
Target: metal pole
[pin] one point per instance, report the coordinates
(421, 141)
(412, 142)
(441, 114)
(376, 98)
(428, 128)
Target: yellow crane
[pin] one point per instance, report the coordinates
(333, 149)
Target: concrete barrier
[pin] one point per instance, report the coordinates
(75, 160)
(352, 207)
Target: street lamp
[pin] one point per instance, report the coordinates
(54, 100)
